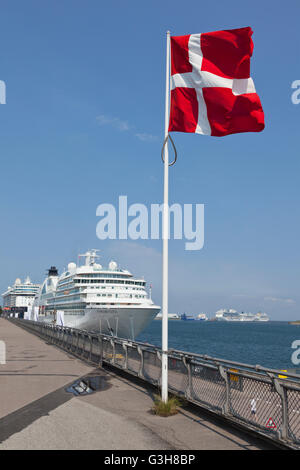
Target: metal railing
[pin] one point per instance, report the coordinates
(263, 400)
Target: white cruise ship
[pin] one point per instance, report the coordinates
(233, 315)
(202, 317)
(20, 296)
(171, 316)
(93, 298)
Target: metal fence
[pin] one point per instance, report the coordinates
(264, 400)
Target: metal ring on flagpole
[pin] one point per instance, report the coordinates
(163, 150)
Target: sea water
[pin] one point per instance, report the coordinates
(267, 344)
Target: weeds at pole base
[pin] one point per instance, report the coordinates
(168, 408)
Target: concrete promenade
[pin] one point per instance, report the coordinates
(36, 412)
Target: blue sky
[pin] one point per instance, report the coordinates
(83, 124)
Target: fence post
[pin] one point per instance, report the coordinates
(281, 390)
(57, 333)
(188, 393)
(226, 408)
(83, 351)
(69, 340)
(53, 334)
(91, 347)
(100, 339)
(159, 378)
(126, 356)
(61, 338)
(114, 351)
(77, 343)
(141, 370)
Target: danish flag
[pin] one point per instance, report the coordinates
(211, 89)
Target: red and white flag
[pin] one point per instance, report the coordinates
(211, 89)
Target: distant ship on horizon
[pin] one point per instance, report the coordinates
(183, 316)
(186, 317)
(199, 317)
(233, 315)
(171, 316)
(202, 317)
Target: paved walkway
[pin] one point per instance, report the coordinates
(36, 412)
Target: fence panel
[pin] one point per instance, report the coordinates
(107, 350)
(152, 366)
(258, 403)
(293, 400)
(134, 359)
(177, 377)
(95, 349)
(120, 354)
(207, 385)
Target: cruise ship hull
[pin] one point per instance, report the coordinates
(121, 322)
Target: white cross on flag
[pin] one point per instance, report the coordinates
(211, 89)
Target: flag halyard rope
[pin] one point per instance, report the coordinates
(163, 150)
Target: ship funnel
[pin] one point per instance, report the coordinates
(52, 271)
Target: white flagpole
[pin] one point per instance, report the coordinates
(165, 236)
